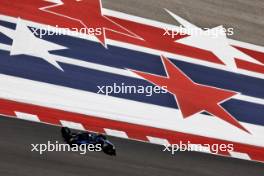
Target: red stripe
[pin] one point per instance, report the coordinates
(249, 66)
(138, 132)
(255, 54)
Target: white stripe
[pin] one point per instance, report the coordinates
(199, 148)
(115, 133)
(239, 155)
(124, 110)
(95, 66)
(7, 31)
(247, 45)
(72, 125)
(26, 116)
(159, 141)
(249, 99)
(5, 47)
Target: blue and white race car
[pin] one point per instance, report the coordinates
(88, 138)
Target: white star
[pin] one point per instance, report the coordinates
(218, 44)
(25, 42)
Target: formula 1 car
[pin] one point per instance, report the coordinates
(88, 138)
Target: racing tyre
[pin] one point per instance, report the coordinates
(66, 133)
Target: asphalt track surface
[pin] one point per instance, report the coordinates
(137, 158)
(246, 17)
(133, 158)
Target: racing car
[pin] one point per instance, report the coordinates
(88, 138)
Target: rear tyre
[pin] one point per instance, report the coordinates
(66, 133)
(108, 149)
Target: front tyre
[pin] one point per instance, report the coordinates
(108, 149)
